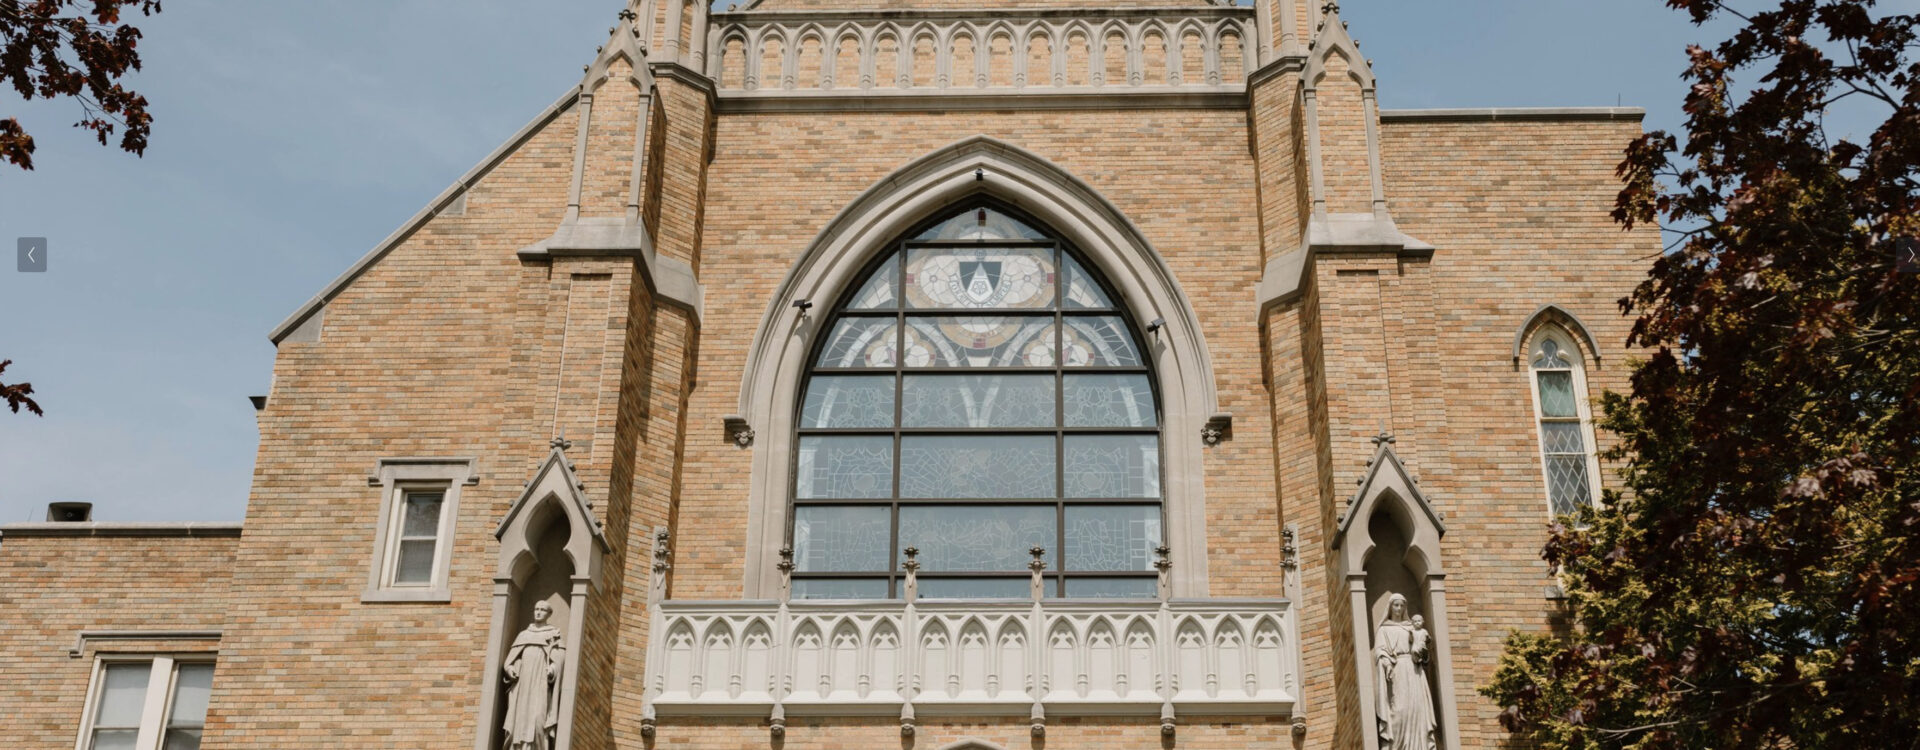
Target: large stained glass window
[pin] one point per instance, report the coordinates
(978, 394)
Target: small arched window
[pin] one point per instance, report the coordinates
(1566, 422)
(979, 393)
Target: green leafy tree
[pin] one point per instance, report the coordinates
(1756, 584)
(77, 49)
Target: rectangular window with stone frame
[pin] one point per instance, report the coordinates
(147, 702)
(414, 537)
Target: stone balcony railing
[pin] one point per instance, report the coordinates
(1037, 57)
(1030, 658)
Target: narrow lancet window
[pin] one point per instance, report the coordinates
(1566, 429)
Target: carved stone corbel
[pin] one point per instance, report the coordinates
(1219, 428)
(738, 430)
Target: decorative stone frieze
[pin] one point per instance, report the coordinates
(974, 657)
(773, 59)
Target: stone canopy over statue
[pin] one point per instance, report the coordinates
(532, 672)
(1403, 705)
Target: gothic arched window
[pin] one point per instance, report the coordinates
(978, 394)
(1566, 423)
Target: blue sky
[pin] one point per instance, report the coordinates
(290, 137)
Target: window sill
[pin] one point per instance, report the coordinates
(417, 596)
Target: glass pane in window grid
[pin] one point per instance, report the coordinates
(1111, 537)
(848, 401)
(977, 466)
(1556, 395)
(845, 467)
(861, 342)
(192, 683)
(1098, 341)
(182, 739)
(1112, 588)
(839, 588)
(878, 293)
(1562, 437)
(841, 539)
(123, 693)
(1108, 401)
(1113, 466)
(1567, 483)
(977, 588)
(981, 224)
(416, 562)
(422, 515)
(1082, 291)
(980, 278)
(115, 739)
(977, 537)
(977, 401)
(980, 341)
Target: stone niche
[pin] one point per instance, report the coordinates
(1388, 549)
(551, 549)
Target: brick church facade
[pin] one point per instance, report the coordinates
(904, 373)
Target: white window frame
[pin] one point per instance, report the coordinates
(162, 678)
(396, 477)
(1583, 409)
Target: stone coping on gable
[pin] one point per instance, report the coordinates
(1503, 114)
(120, 528)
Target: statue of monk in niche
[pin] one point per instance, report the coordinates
(532, 673)
(1403, 706)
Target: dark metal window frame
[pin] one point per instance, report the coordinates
(1057, 574)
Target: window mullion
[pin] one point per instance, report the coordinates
(153, 713)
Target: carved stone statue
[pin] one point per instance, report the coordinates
(1403, 706)
(532, 673)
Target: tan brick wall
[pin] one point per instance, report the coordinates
(1519, 213)
(52, 588)
(432, 352)
(778, 179)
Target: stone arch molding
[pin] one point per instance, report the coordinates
(1554, 315)
(980, 165)
(970, 743)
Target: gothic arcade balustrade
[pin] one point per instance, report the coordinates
(768, 56)
(974, 657)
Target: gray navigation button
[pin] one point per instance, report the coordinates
(32, 254)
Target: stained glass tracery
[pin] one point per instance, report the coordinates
(977, 394)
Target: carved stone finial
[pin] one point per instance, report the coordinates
(1383, 437)
(660, 552)
(627, 14)
(1289, 551)
(1330, 8)
(1162, 559)
(786, 560)
(560, 443)
(1038, 564)
(911, 564)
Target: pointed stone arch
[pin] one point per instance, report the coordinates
(1554, 315)
(970, 743)
(979, 166)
